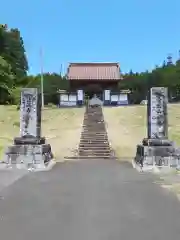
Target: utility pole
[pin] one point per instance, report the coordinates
(42, 78)
(61, 70)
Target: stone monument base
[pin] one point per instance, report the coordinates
(159, 155)
(29, 140)
(28, 156)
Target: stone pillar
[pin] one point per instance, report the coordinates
(156, 149)
(157, 113)
(30, 149)
(30, 114)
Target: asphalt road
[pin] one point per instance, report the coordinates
(88, 200)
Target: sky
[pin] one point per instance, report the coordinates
(138, 34)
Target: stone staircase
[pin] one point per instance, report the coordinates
(94, 142)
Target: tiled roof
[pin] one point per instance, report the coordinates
(93, 71)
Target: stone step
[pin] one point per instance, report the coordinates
(91, 136)
(94, 140)
(95, 154)
(91, 122)
(95, 128)
(90, 145)
(90, 119)
(92, 127)
(90, 157)
(95, 137)
(91, 141)
(95, 144)
(96, 118)
(98, 129)
(94, 132)
(95, 149)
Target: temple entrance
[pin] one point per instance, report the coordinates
(94, 89)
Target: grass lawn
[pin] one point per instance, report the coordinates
(126, 127)
(61, 127)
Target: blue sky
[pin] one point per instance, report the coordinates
(136, 33)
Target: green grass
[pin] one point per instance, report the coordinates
(61, 127)
(127, 127)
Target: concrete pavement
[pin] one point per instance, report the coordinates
(88, 200)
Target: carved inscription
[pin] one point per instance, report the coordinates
(157, 113)
(29, 112)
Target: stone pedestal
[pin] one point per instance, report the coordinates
(27, 156)
(30, 150)
(162, 155)
(156, 149)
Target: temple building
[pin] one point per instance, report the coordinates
(93, 79)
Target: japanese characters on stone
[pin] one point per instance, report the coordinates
(158, 113)
(28, 113)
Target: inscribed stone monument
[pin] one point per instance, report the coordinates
(30, 149)
(156, 149)
(30, 116)
(157, 113)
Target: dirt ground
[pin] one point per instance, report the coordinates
(61, 127)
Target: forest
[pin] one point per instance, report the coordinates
(14, 74)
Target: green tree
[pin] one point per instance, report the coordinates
(14, 53)
(6, 80)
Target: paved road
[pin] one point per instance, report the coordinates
(88, 200)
